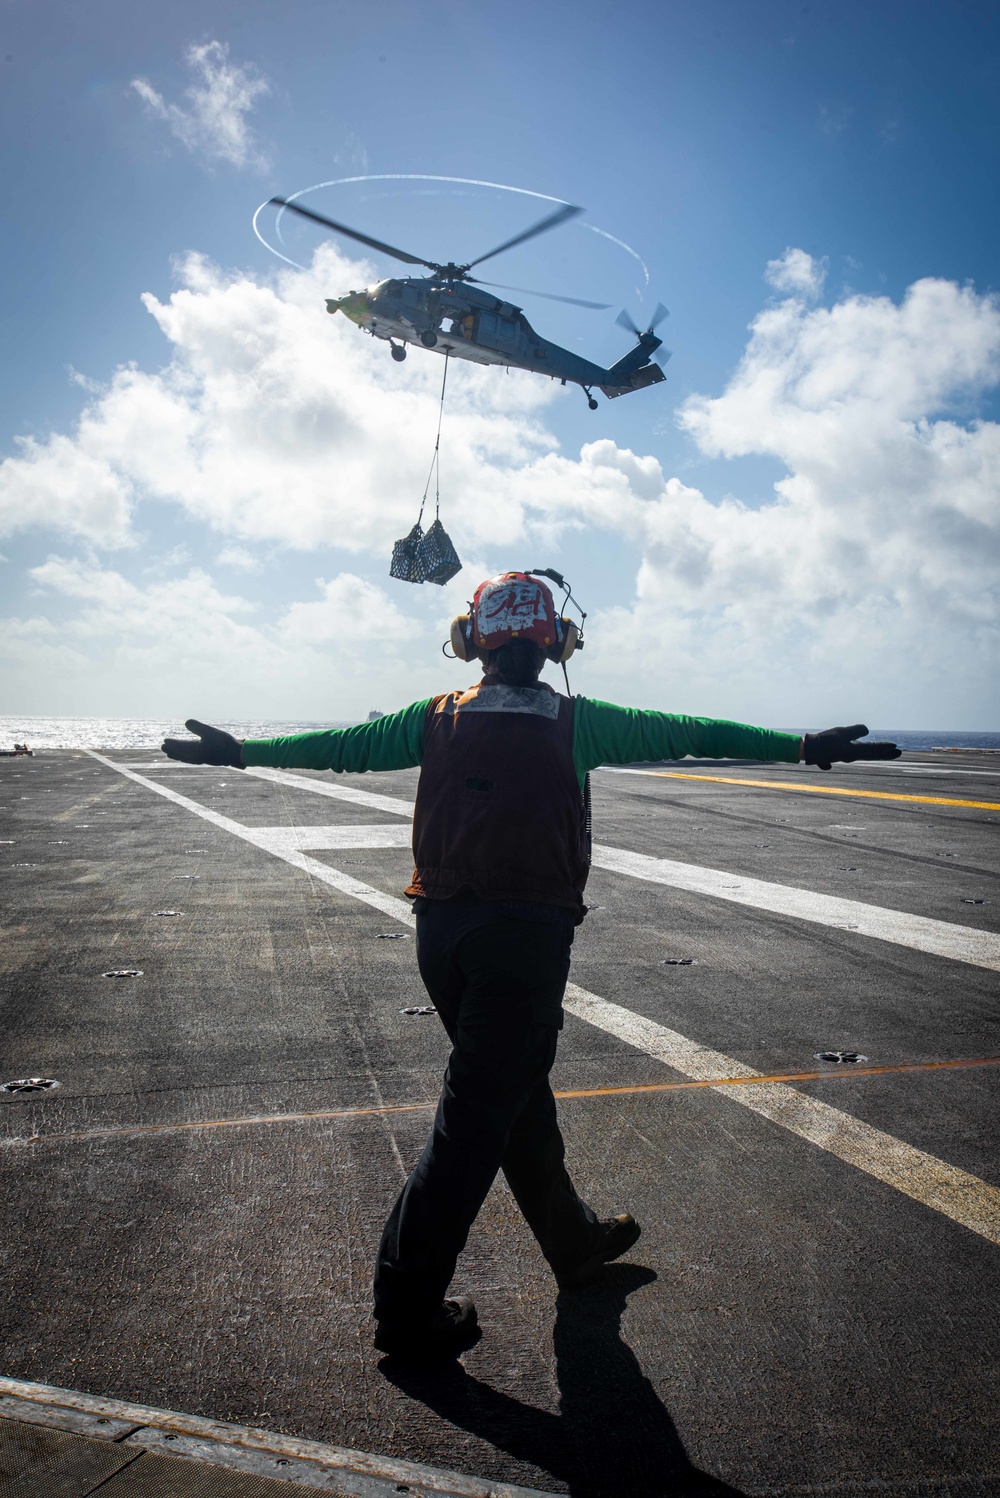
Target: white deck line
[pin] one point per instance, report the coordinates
(964, 1198)
(920, 933)
(345, 836)
(934, 1183)
(336, 791)
(261, 838)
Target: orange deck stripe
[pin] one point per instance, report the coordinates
(326, 1113)
(842, 1074)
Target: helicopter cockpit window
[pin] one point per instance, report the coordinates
(411, 296)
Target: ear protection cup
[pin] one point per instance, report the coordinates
(461, 638)
(561, 650)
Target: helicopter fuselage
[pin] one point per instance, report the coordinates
(464, 321)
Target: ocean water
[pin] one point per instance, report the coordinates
(146, 733)
(132, 733)
(912, 738)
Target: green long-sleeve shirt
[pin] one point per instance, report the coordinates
(603, 734)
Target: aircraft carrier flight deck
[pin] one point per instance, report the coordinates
(781, 1052)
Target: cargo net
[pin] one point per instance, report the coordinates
(428, 556)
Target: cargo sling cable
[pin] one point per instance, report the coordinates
(430, 558)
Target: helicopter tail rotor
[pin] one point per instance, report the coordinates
(625, 321)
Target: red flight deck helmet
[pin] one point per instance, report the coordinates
(513, 606)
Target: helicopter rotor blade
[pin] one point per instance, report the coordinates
(375, 244)
(625, 321)
(574, 301)
(551, 220)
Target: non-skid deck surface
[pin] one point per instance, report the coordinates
(812, 1306)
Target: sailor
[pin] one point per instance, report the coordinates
(501, 853)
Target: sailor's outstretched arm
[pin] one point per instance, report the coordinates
(392, 742)
(606, 734)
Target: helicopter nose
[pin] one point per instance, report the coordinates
(356, 305)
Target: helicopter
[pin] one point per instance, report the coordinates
(448, 313)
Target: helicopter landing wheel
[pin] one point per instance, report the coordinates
(398, 352)
(591, 403)
(428, 338)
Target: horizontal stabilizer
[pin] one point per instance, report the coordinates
(649, 374)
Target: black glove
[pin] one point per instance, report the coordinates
(838, 744)
(213, 746)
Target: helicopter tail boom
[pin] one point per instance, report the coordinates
(634, 371)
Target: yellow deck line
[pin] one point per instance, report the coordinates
(821, 790)
(386, 1108)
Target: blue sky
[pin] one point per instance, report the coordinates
(712, 137)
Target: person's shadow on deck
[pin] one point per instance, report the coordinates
(612, 1436)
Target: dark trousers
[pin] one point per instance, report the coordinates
(497, 980)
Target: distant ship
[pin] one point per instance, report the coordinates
(375, 714)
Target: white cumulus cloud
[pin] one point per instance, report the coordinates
(875, 571)
(239, 557)
(68, 484)
(213, 119)
(350, 609)
(797, 273)
(185, 646)
(866, 585)
(276, 422)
